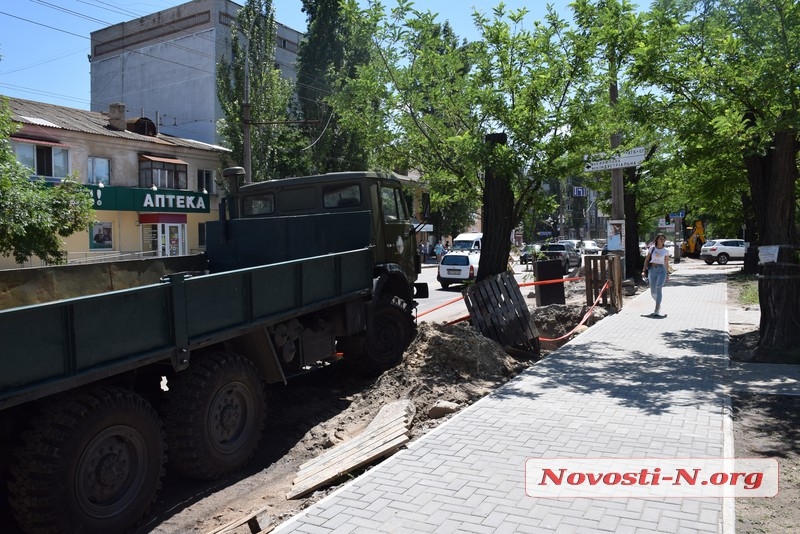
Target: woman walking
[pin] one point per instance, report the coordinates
(657, 266)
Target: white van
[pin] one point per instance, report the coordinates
(467, 242)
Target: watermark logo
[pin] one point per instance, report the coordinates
(651, 477)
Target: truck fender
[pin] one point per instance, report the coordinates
(392, 281)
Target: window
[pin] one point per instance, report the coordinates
(99, 171)
(341, 196)
(162, 174)
(205, 180)
(46, 161)
(259, 205)
(101, 236)
(394, 208)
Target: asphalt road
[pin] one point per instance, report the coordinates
(436, 308)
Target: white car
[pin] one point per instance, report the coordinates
(723, 250)
(589, 247)
(457, 268)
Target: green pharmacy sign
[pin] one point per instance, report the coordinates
(149, 200)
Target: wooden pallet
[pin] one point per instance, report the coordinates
(498, 309)
(385, 434)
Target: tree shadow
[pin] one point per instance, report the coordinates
(687, 373)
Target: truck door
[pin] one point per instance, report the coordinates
(398, 241)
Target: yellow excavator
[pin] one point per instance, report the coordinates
(694, 242)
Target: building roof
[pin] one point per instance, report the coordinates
(39, 119)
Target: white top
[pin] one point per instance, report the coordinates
(659, 255)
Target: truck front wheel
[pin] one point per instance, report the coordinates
(92, 463)
(389, 334)
(214, 416)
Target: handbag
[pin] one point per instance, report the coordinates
(647, 262)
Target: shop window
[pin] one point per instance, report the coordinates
(201, 234)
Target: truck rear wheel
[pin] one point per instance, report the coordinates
(389, 334)
(214, 416)
(92, 463)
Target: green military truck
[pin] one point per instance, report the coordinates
(96, 392)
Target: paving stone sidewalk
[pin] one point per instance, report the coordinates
(631, 386)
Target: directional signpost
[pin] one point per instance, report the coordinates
(629, 158)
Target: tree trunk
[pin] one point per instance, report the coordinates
(498, 219)
(633, 259)
(772, 178)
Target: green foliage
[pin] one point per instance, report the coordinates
(729, 71)
(332, 49)
(34, 215)
(275, 143)
(427, 100)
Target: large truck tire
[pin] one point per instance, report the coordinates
(214, 416)
(92, 463)
(389, 333)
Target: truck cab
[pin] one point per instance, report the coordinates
(391, 232)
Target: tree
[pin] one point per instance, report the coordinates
(34, 215)
(332, 49)
(733, 64)
(429, 102)
(251, 79)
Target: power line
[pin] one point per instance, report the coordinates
(43, 25)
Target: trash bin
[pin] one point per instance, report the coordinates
(549, 293)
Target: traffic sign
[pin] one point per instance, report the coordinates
(579, 192)
(629, 158)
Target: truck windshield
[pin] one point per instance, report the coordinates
(462, 245)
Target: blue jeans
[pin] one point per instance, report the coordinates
(657, 276)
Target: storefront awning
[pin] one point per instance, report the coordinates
(162, 160)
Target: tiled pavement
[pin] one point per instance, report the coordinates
(630, 386)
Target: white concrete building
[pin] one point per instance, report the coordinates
(164, 65)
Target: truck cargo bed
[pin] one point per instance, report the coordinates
(55, 346)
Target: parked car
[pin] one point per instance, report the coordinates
(590, 247)
(576, 243)
(723, 250)
(457, 268)
(529, 253)
(564, 251)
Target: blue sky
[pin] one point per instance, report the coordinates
(44, 44)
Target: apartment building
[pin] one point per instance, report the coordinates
(152, 192)
(164, 65)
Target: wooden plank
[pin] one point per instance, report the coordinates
(307, 485)
(401, 412)
(251, 520)
(353, 446)
(386, 433)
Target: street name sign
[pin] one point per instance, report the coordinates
(629, 158)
